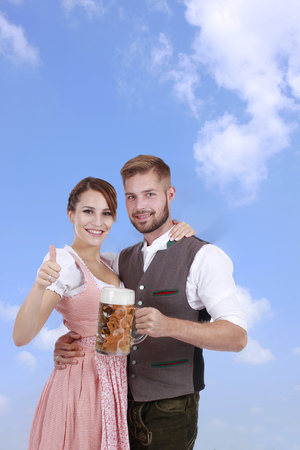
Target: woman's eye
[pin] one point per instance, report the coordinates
(108, 213)
(87, 211)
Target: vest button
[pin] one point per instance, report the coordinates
(134, 347)
(133, 362)
(132, 375)
(142, 287)
(140, 303)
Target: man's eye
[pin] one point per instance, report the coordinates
(150, 194)
(130, 197)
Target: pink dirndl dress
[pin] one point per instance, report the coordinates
(83, 407)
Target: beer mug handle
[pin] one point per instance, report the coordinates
(139, 339)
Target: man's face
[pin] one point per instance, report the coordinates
(148, 202)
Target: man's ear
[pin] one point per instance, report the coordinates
(171, 193)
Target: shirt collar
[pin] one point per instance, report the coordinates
(159, 244)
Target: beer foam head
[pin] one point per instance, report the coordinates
(117, 296)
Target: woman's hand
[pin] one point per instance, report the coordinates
(49, 271)
(180, 230)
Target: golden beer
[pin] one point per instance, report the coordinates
(116, 313)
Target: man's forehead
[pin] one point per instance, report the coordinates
(143, 182)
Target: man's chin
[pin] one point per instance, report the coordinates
(153, 223)
(142, 227)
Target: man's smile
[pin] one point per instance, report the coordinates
(142, 216)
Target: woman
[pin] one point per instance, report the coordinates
(83, 407)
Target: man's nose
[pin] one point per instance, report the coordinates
(140, 203)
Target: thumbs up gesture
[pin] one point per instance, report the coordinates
(49, 270)
(52, 253)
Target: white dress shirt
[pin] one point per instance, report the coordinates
(209, 284)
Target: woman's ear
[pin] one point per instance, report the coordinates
(71, 216)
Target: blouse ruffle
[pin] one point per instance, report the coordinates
(71, 278)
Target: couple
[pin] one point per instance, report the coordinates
(175, 282)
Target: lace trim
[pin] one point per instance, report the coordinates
(89, 340)
(71, 250)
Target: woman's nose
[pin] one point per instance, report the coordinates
(97, 220)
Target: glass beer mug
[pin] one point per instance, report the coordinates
(116, 313)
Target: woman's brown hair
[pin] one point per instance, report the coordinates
(96, 184)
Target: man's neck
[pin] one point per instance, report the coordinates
(151, 237)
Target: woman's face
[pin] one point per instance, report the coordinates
(92, 219)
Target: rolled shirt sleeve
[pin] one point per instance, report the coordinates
(210, 285)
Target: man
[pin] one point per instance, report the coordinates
(177, 284)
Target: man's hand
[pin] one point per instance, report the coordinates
(152, 322)
(66, 350)
(220, 335)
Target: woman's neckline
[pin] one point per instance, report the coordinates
(103, 262)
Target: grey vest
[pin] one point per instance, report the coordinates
(163, 367)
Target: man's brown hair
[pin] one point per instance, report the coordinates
(145, 163)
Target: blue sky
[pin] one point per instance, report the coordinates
(213, 88)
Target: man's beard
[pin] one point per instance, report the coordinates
(155, 224)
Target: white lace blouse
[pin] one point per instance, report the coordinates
(71, 279)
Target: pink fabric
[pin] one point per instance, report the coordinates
(83, 407)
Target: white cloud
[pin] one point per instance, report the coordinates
(46, 339)
(254, 354)
(186, 79)
(91, 7)
(257, 410)
(14, 45)
(160, 5)
(156, 56)
(137, 52)
(296, 351)
(8, 311)
(162, 52)
(251, 49)
(218, 424)
(254, 310)
(26, 358)
(278, 438)
(234, 156)
(4, 404)
(15, 2)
